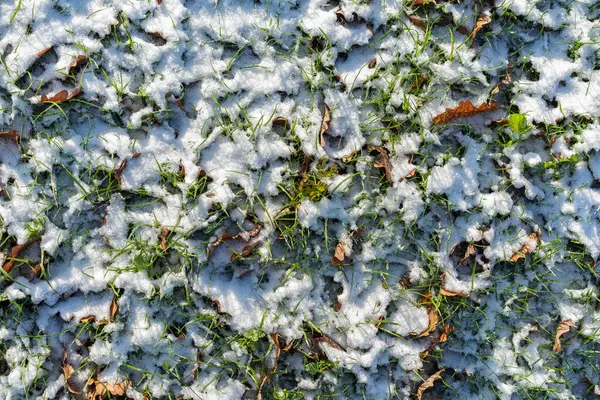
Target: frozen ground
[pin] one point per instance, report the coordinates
(298, 199)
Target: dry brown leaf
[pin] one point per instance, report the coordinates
(382, 160)
(526, 248)
(88, 319)
(468, 253)
(15, 252)
(450, 293)
(80, 60)
(246, 251)
(114, 307)
(340, 15)
(281, 122)
(482, 20)
(244, 236)
(418, 22)
(328, 340)
(324, 124)
(61, 96)
(68, 371)
(119, 171)
(159, 2)
(562, 328)
(436, 340)
(505, 81)
(464, 109)
(57, 98)
(11, 135)
(434, 319)
(44, 51)
(163, 239)
(372, 63)
(339, 254)
(428, 383)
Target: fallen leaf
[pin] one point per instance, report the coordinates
(44, 51)
(328, 340)
(339, 254)
(136, 154)
(464, 109)
(526, 248)
(246, 251)
(80, 60)
(35, 271)
(418, 22)
(340, 15)
(68, 371)
(11, 135)
(61, 96)
(505, 81)
(482, 20)
(114, 307)
(372, 63)
(119, 171)
(156, 35)
(57, 98)
(163, 239)
(450, 293)
(97, 390)
(88, 319)
(432, 314)
(468, 253)
(281, 122)
(324, 124)
(15, 252)
(244, 236)
(382, 160)
(436, 340)
(159, 2)
(220, 309)
(428, 383)
(562, 328)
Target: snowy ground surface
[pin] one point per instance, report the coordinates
(291, 199)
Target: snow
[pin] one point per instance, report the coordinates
(176, 141)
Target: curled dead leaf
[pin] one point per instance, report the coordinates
(246, 251)
(429, 382)
(244, 236)
(163, 239)
(326, 339)
(482, 20)
(61, 96)
(114, 307)
(80, 60)
(505, 81)
(324, 124)
(464, 109)
(382, 160)
(562, 328)
(468, 253)
(418, 22)
(339, 254)
(44, 51)
(372, 63)
(15, 252)
(281, 122)
(432, 315)
(68, 371)
(443, 337)
(527, 247)
(119, 170)
(136, 154)
(88, 319)
(450, 293)
(11, 135)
